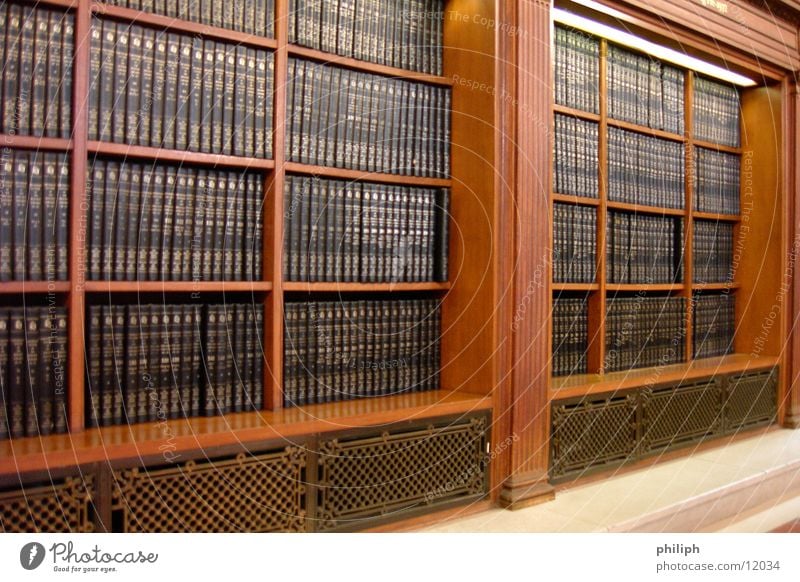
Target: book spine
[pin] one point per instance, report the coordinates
(20, 213)
(5, 395)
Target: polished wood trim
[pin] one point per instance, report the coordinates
(29, 142)
(572, 199)
(345, 174)
(716, 217)
(182, 156)
(527, 479)
(565, 287)
(710, 145)
(646, 130)
(363, 287)
(16, 287)
(644, 209)
(564, 110)
(71, 4)
(792, 188)
(727, 286)
(367, 67)
(146, 439)
(636, 287)
(176, 286)
(584, 384)
(181, 26)
(77, 216)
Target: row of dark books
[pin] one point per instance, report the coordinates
(164, 89)
(249, 16)
(33, 362)
(645, 170)
(712, 251)
(36, 52)
(714, 324)
(34, 216)
(716, 181)
(570, 321)
(576, 69)
(340, 350)
(644, 91)
(156, 362)
(349, 119)
(643, 248)
(715, 112)
(575, 159)
(364, 232)
(407, 34)
(165, 222)
(574, 243)
(643, 332)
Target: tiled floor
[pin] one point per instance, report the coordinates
(629, 497)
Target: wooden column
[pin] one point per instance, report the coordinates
(527, 139)
(791, 418)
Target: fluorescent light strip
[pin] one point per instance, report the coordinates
(657, 51)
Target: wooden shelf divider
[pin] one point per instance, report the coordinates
(162, 22)
(176, 286)
(364, 176)
(38, 287)
(182, 156)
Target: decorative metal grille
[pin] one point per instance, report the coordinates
(675, 416)
(248, 493)
(592, 432)
(58, 507)
(751, 400)
(386, 474)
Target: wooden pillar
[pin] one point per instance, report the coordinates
(791, 417)
(524, 112)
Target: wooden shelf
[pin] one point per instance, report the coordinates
(176, 286)
(129, 442)
(350, 63)
(30, 142)
(572, 199)
(646, 130)
(363, 287)
(627, 287)
(361, 175)
(11, 287)
(184, 157)
(643, 209)
(717, 217)
(583, 384)
(174, 24)
(715, 286)
(575, 286)
(576, 113)
(59, 3)
(716, 146)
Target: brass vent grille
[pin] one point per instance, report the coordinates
(248, 493)
(380, 475)
(751, 400)
(678, 415)
(58, 507)
(592, 432)
(598, 432)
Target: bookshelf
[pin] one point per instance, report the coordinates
(466, 382)
(601, 387)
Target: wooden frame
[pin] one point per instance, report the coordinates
(467, 383)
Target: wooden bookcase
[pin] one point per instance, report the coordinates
(760, 234)
(467, 374)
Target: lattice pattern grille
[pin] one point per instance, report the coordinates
(592, 433)
(249, 493)
(677, 415)
(60, 507)
(374, 476)
(751, 400)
